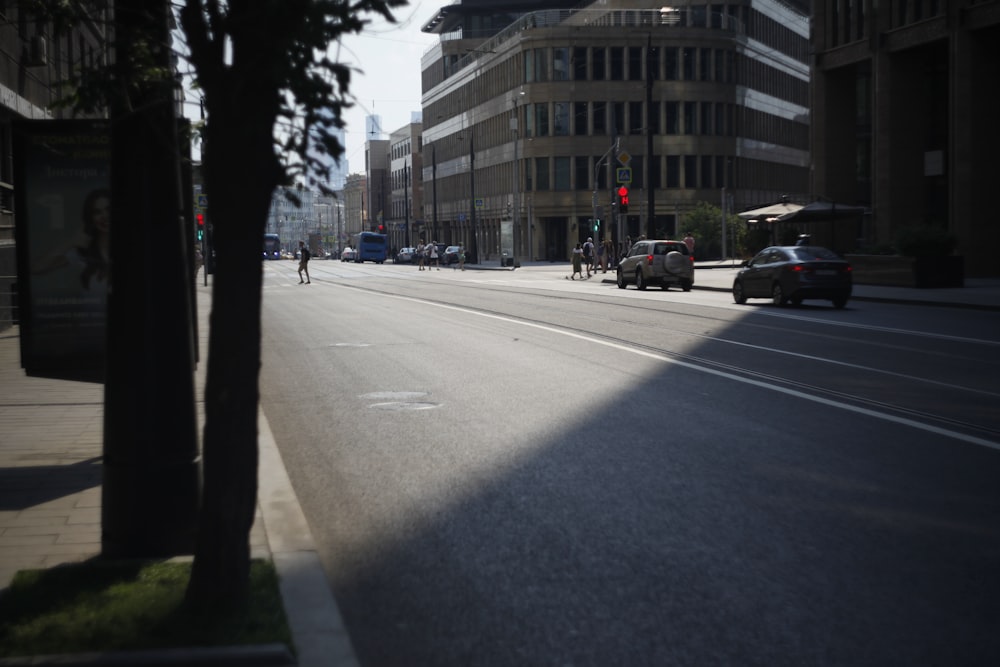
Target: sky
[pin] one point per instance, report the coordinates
(389, 83)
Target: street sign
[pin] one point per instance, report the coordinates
(479, 202)
(624, 158)
(623, 174)
(202, 201)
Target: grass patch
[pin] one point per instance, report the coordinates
(126, 605)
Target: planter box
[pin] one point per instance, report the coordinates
(899, 271)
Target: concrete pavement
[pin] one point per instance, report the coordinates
(50, 482)
(51, 444)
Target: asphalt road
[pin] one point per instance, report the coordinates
(510, 468)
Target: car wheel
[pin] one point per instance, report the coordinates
(739, 296)
(640, 282)
(621, 279)
(778, 295)
(686, 284)
(840, 302)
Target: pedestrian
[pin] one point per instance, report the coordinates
(601, 258)
(804, 239)
(588, 254)
(609, 254)
(199, 259)
(461, 257)
(689, 242)
(577, 262)
(304, 263)
(434, 257)
(420, 255)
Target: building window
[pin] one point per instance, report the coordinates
(560, 120)
(706, 171)
(580, 63)
(673, 171)
(581, 169)
(690, 171)
(541, 119)
(670, 58)
(690, 119)
(688, 57)
(673, 112)
(705, 65)
(635, 124)
(542, 174)
(580, 118)
(617, 117)
(600, 64)
(617, 63)
(600, 118)
(560, 63)
(562, 173)
(541, 64)
(635, 63)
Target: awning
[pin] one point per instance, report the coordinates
(770, 213)
(821, 211)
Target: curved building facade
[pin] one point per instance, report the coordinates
(536, 114)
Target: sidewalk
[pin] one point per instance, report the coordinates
(50, 472)
(50, 510)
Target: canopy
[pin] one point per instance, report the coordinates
(770, 213)
(820, 211)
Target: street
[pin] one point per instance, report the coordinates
(511, 468)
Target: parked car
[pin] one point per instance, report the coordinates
(794, 273)
(451, 254)
(348, 254)
(657, 262)
(406, 256)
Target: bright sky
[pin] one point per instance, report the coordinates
(389, 83)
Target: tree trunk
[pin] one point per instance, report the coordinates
(240, 175)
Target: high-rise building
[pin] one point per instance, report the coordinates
(536, 113)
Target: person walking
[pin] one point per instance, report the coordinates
(434, 257)
(577, 262)
(689, 242)
(420, 255)
(588, 254)
(461, 257)
(304, 256)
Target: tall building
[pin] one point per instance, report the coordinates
(901, 118)
(405, 223)
(536, 113)
(379, 187)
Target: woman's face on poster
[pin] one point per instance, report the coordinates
(100, 214)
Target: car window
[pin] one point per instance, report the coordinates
(808, 253)
(639, 249)
(661, 249)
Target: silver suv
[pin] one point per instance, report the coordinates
(657, 262)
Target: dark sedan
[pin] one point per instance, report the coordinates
(792, 274)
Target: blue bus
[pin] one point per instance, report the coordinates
(370, 247)
(272, 246)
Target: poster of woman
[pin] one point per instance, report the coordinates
(63, 225)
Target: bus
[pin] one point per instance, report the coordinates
(370, 247)
(272, 246)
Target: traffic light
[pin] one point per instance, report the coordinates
(381, 229)
(597, 225)
(623, 199)
(201, 226)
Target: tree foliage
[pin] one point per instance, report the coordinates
(705, 224)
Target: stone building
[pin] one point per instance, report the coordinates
(535, 114)
(902, 121)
